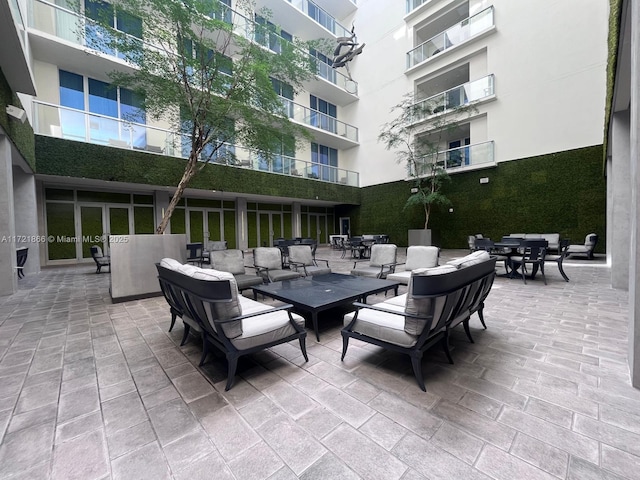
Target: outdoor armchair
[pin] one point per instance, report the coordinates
(534, 252)
(301, 260)
(380, 264)
(559, 258)
(590, 242)
(100, 259)
(268, 264)
(417, 257)
(232, 261)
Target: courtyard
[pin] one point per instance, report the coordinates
(96, 390)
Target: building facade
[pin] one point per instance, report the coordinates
(535, 73)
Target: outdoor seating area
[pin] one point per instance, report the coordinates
(544, 388)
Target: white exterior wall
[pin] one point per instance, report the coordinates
(549, 62)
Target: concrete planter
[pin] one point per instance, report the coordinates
(133, 263)
(420, 237)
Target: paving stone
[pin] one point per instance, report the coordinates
(330, 466)
(230, 433)
(462, 445)
(187, 449)
(172, 420)
(78, 426)
(83, 458)
(123, 412)
(293, 444)
(502, 466)
(290, 399)
(433, 462)
(619, 462)
(201, 469)
(129, 439)
(580, 469)
(145, 463)
(413, 418)
(25, 448)
(544, 456)
(364, 456)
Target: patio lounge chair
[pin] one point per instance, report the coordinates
(381, 263)
(232, 261)
(268, 264)
(417, 257)
(590, 242)
(301, 259)
(100, 259)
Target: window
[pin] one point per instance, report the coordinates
(322, 158)
(286, 91)
(224, 134)
(199, 58)
(327, 113)
(283, 161)
(98, 37)
(222, 11)
(104, 100)
(269, 35)
(323, 65)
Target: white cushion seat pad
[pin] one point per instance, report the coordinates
(382, 325)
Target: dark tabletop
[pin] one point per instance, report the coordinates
(323, 291)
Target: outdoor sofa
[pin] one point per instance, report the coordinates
(208, 302)
(437, 300)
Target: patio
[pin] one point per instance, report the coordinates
(94, 390)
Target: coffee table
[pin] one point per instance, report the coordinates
(314, 294)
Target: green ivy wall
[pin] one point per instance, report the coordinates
(76, 159)
(562, 192)
(20, 133)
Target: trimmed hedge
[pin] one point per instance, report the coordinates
(77, 159)
(20, 133)
(562, 192)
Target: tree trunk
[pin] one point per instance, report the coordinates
(188, 174)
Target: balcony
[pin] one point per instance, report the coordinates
(315, 22)
(452, 37)
(466, 157)
(341, 134)
(71, 124)
(469, 92)
(68, 26)
(413, 4)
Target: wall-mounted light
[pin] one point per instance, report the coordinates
(484, 180)
(414, 190)
(17, 113)
(451, 210)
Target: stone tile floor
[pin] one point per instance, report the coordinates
(95, 390)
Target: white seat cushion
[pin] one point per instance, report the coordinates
(383, 326)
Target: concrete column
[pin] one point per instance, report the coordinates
(619, 192)
(634, 226)
(26, 217)
(8, 275)
(242, 224)
(296, 217)
(161, 201)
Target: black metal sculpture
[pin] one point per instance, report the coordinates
(342, 58)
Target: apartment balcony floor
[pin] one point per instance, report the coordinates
(92, 389)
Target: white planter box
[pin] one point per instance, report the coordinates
(420, 237)
(133, 263)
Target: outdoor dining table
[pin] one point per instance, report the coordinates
(509, 247)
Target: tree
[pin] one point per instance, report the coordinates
(209, 72)
(418, 133)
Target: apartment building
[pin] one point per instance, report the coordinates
(534, 71)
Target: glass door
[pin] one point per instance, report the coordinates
(91, 230)
(270, 228)
(318, 228)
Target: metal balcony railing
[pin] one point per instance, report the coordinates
(320, 120)
(454, 97)
(451, 37)
(71, 124)
(466, 156)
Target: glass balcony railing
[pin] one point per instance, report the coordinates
(71, 26)
(321, 16)
(467, 156)
(413, 4)
(451, 37)
(454, 97)
(317, 119)
(71, 124)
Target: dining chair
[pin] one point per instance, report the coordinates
(533, 253)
